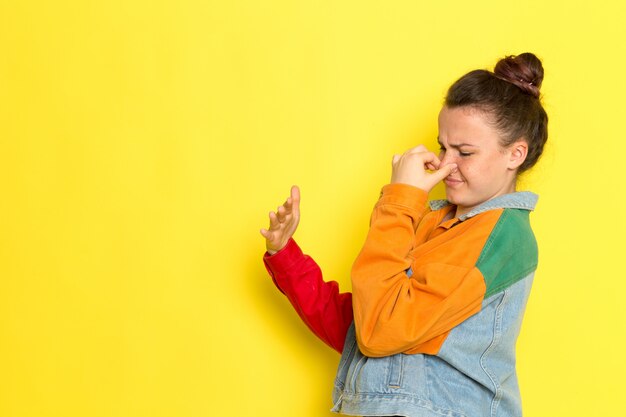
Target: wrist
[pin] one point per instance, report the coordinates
(274, 249)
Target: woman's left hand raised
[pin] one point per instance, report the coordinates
(283, 223)
(412, 168)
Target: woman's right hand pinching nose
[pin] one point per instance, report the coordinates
(283, 223)
(412, 168)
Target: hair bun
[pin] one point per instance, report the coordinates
(524, 70)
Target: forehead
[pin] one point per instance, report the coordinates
(467, 125)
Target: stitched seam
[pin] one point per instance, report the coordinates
(496, 338)
(415, 399)
(395, 381)
(513, 280)
(493, 235)
(355, 373)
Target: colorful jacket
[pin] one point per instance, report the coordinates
(437, 307)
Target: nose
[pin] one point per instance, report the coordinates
(446, 158)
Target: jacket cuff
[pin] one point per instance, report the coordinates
(282, 262)
(403, 195)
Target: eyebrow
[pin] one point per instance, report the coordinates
(457, 145)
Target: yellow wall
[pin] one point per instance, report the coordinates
(142, 144)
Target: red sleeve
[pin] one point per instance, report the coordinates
(319, 304)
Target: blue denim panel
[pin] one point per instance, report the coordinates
(472, 375)
(477, 361)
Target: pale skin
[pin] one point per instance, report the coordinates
(283, 223)
(485, 169)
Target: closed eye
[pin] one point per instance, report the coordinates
(463, 154)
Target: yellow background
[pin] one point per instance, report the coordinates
(142, 144)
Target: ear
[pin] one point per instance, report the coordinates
(517, 154)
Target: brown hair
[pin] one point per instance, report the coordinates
(510, 95)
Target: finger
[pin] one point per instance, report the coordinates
(431, 158)
(268, 235)
(272, 217)
(395, 159)
(281, 211)
(274, 223)
(286, 209)
(284, 218)
(287, 203)
(443, 172)
(295, 194)
(295, 200)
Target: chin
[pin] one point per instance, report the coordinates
(452, 198)
(459, 200)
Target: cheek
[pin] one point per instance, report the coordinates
(480, 168)
(465, 168)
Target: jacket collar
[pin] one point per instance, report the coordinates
(524, 200)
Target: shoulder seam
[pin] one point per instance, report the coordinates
(492, 284)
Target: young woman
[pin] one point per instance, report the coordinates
(439, 290)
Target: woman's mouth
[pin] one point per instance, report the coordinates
(452, 182)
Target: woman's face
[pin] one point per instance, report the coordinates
(485, 169)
